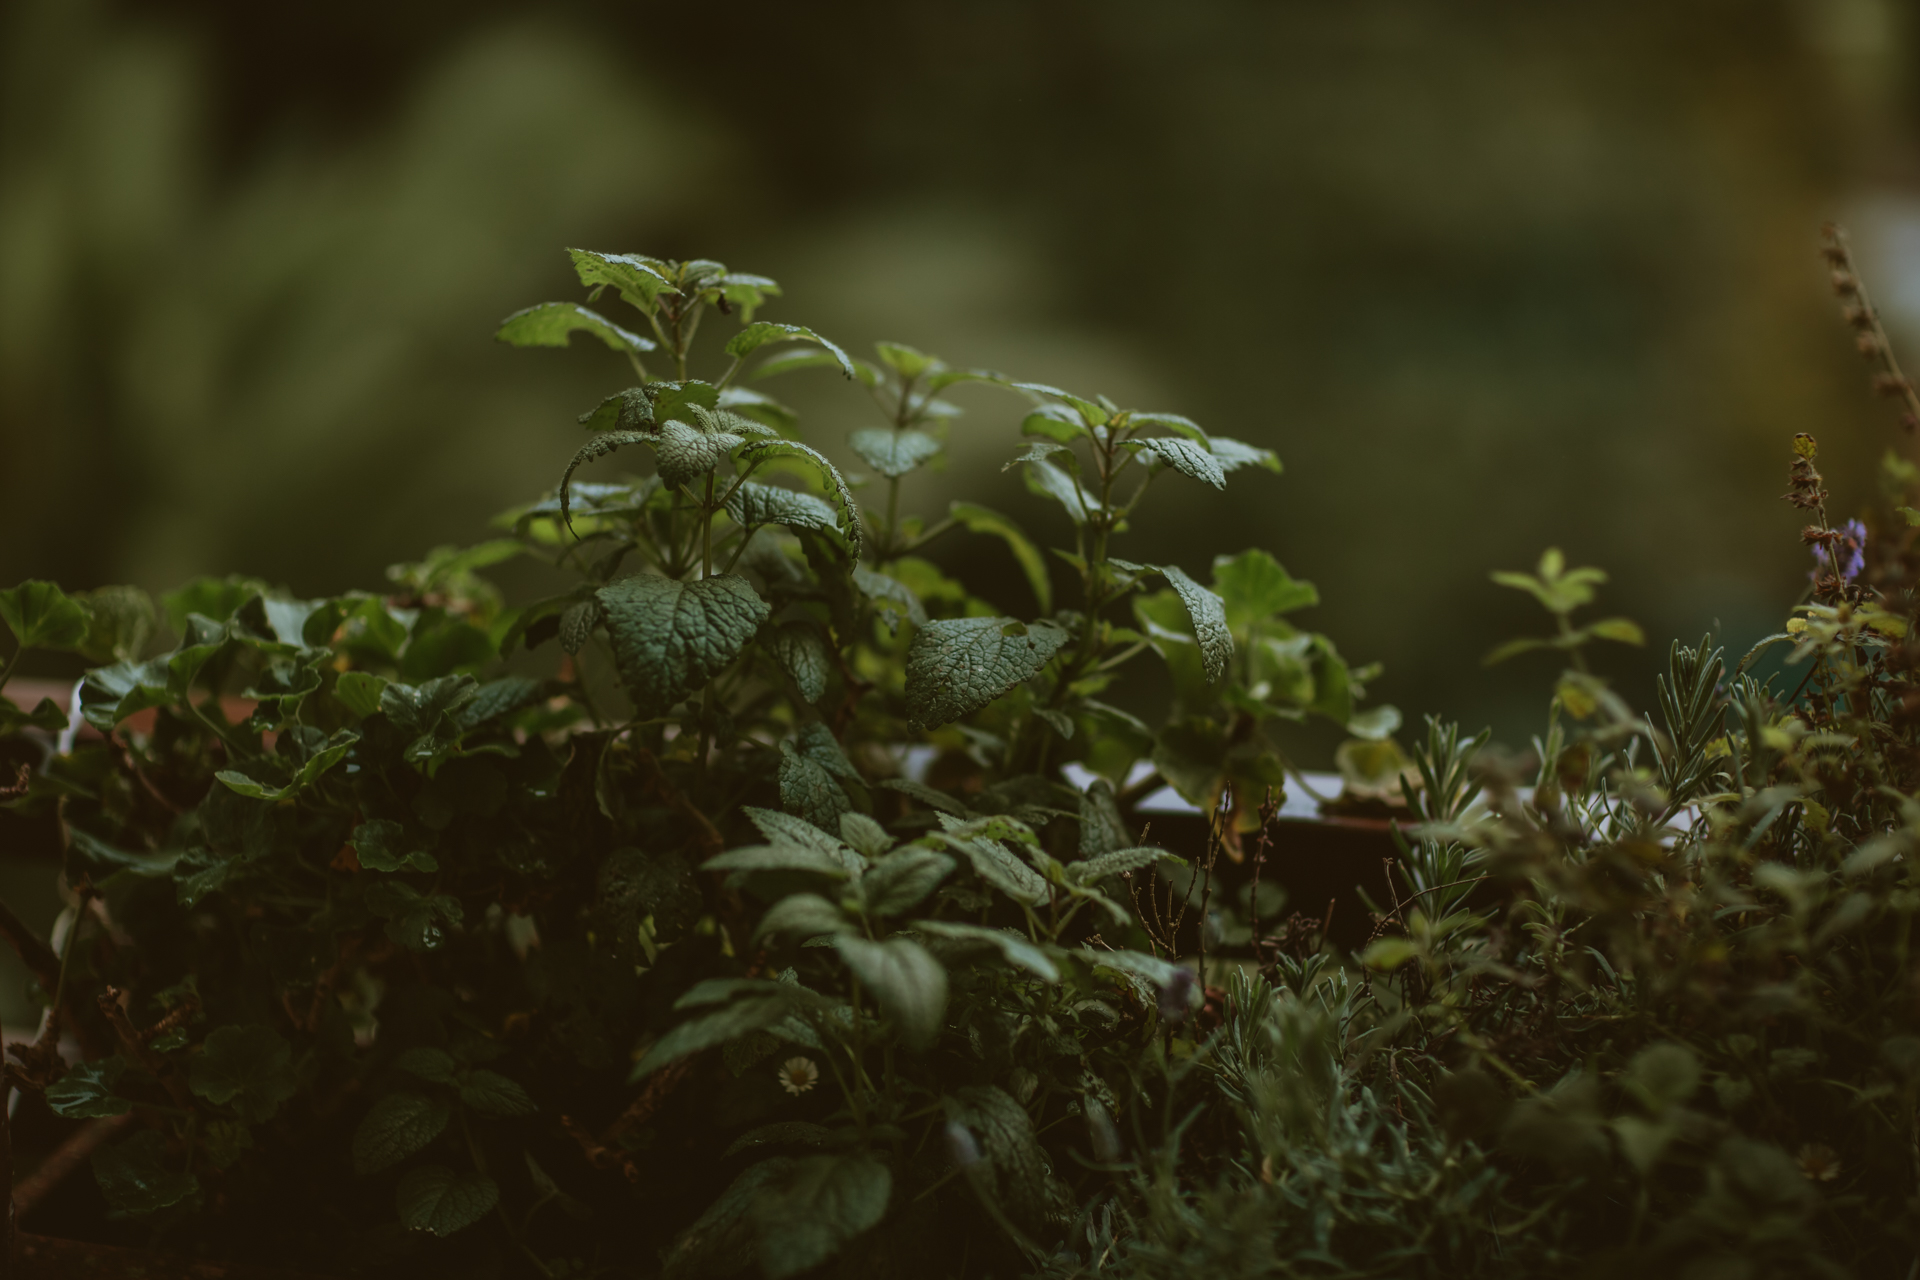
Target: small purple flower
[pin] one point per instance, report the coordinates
(1852, 548)
(1177, 996)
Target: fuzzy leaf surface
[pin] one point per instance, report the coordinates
(671, 637)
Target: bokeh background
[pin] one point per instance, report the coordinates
(1488, 276)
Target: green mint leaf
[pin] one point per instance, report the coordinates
(808, 788)
(778, 856)
(729, 1023)
(806, 1214)
(396, 1127)
(249, 1068)
(893, 453)
(895, 597)
(1091, 871)
(899, 882)
(904, 360)
(802, 916)
(761, 332)
(1102, 829)
(802, 653)
(849, 513)
(552, 324)
(1021, 1177)
(578, 622)
(754, 504)
(1049, 481)
(436, 1199)
(1094, 415)
(1192, 460)
(865, 835)
(670, 637)
(493, 1094)
(639, 281)
(629, 410)
(42, 616)
(1208, 614)
(956, 666)
(910, 985)
(598, 447)
(994, 864)
(436, 1065)
(1013, 948)
(785, 828)
(1172, 422)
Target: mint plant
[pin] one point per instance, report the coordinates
(419, 931)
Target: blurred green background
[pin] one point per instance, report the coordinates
(1487, 276)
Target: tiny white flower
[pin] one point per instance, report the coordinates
(797, 1075)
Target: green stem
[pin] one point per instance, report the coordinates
(6, 672)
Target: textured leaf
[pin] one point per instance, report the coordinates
(722, 1241)
(1209, 617)
(805, 1215)
(785, 828)
(1050, 481)
(629, 410)
(637, 280)
(1195, 461)
(803, 915)
(849, 513)
(728, 1023)
(670, 638)
(761, 332)
(1006, 1138)
(1102, 829)
(979, 519)
(808, 788)
(397, 1126)
(753, 505)
(777, 857)
(436, 1065)
(908, 982)
(864, 834)
(493, 1094)
(417, 921)
(436, 1199)
(800, 650)
(1171, 421)
(799, 1133)
(1118, 862)
(578, 622)
(42, 616)
(380, 845)
(994, 864)
(899, 882)
(86, 1091)
(552, 324)
(598, 447)
(1093, 414)
(1233, 455)
(1015, 949)
(890, 591)
(958, 665)
(247, 1067)
(135, 1178)
(684, 451)
(893, 453)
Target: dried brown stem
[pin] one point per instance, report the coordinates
(67, 1157)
